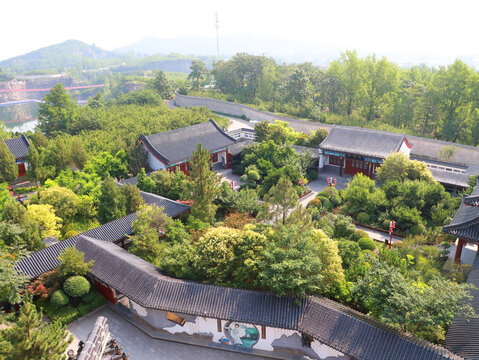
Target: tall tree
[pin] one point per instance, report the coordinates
(298, 89)
(8, 168)
(281, 199)
(162, 85)
(11, 282)
(112, 202)
(58, 111)
(202, 185)
(150, 224)
(198, 73)
(382, 78)
(350, 70)
(133, 199)
(36, 170)
(72, 263)
(30, 338)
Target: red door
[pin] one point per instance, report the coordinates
(21, 170)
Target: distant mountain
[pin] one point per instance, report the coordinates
(287, 50)
(68, 54)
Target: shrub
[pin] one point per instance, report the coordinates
(76, 286)
(88, 297)
(385, 224)
(329, 191)
(321, 198)
(363, 218)
(84, 309)
(70, 234)
(359, 234)
(311, 174)
(59, 298)
(367, 244)
(65, 314)
(418, 229)
(327, 204)
(314, 203)
(342, 193)
(336, 200)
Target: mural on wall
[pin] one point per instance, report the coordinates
(239, 334)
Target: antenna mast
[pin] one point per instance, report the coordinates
(217, 37)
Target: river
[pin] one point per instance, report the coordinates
(20, 117)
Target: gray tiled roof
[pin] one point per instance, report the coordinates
(450, 177)
(237, 147)
(462, 335)
(46, 259)
(465, 223)
(177, 145)
(335, 325)
(302, 149)
(18, 146)
(373, 143)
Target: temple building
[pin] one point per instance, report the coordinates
(355, 150)
(465, 224)
(172, 150)
(19, 148)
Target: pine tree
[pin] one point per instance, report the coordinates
(8, 168)
(112, 202)
(202, 185)
(29, 338)
(280, 200)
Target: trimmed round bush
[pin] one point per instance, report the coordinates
(363, 218)
(359, 234)
(330, 191)
(76, 286)
(336, 200)
(59, 298)
(314, 203)
(367, 244)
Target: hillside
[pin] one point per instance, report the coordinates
(68, 54)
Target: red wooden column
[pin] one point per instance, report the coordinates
(460, 245)
(341, 167)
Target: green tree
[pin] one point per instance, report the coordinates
(350, 70)
(72, 263)
(202, 185)
(57, 112)
(63, 200)
(45, 217)
(133, 198)
(30, 338)
(198, 73)
(382, 78)
(11, 282)
(8, 168)
(281, 199)
(397, 166)
(149, 226)
(291, 264)
(298, 89)
(111, 202)
(36, 170)
(162, 85)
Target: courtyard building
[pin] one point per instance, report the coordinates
(18, 146)
(171, 150)
(355, 150)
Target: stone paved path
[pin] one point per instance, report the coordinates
(140, 346)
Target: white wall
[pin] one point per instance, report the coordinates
(154, 163)
(198, 325)
(405, 149)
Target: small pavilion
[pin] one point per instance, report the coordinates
(465, 224)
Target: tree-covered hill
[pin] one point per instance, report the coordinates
(68, 54)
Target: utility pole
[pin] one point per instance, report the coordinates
(217, 38)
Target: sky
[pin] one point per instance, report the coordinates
(446, 29)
